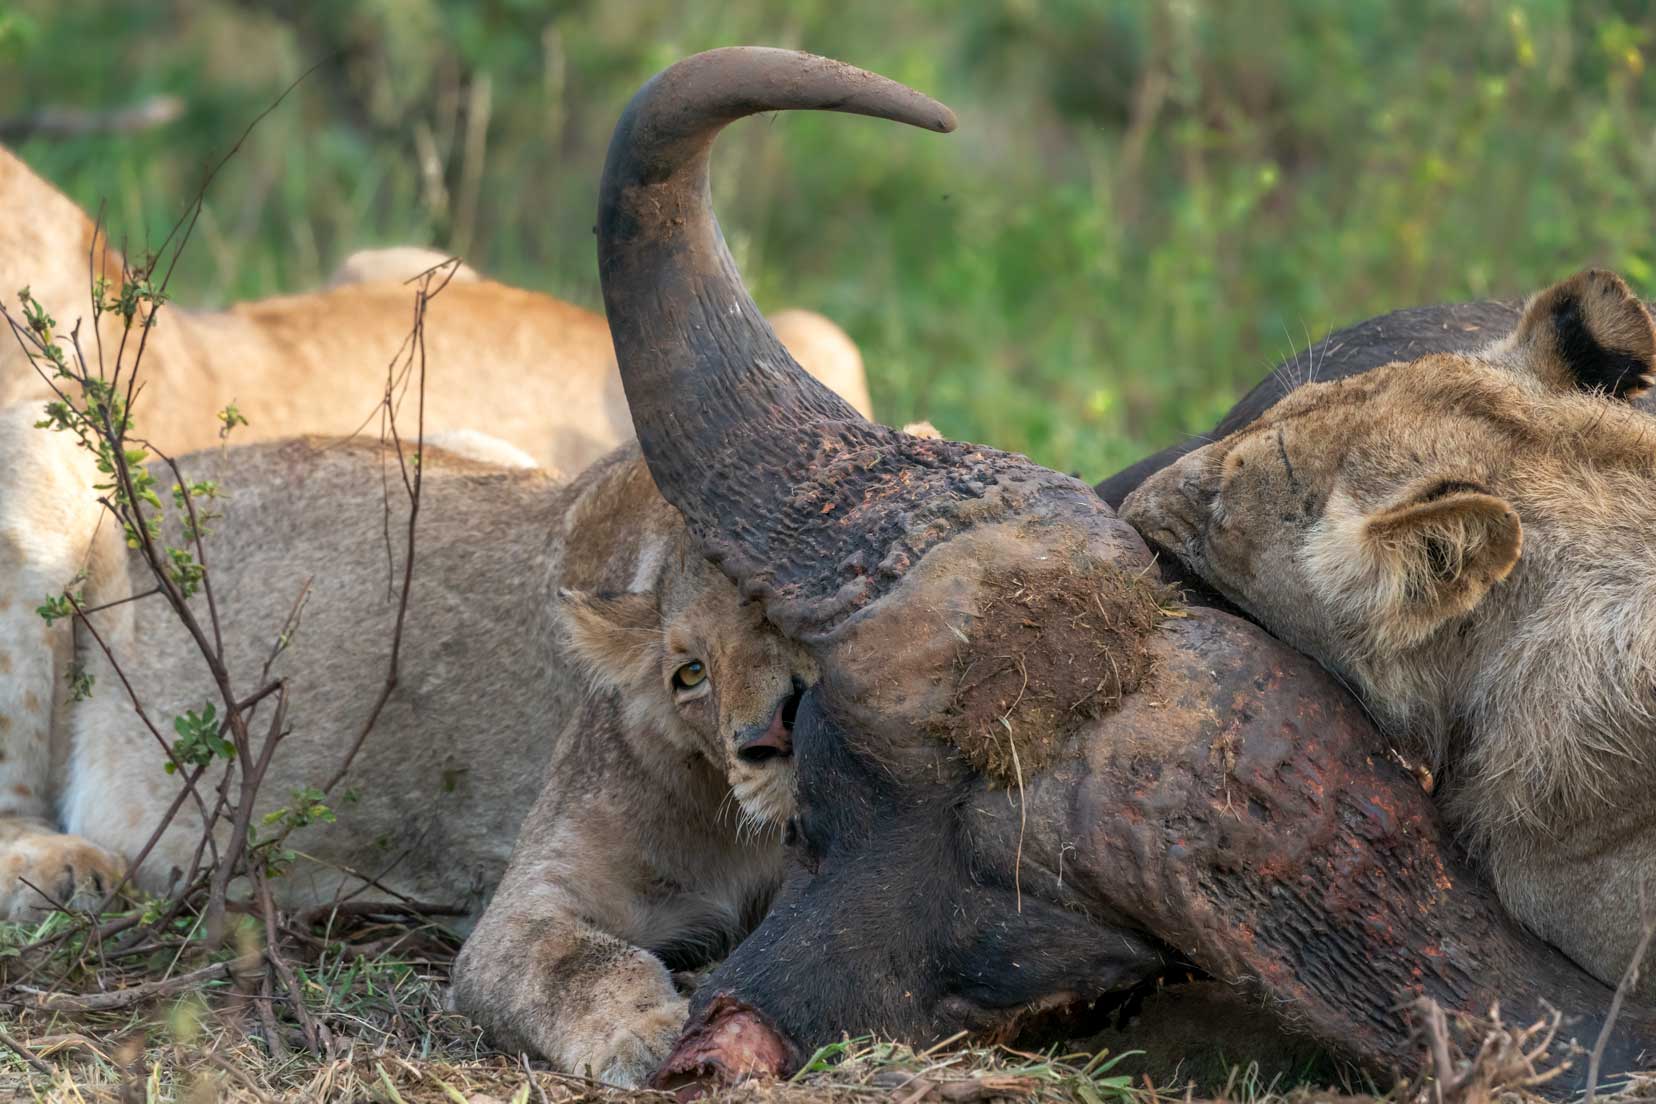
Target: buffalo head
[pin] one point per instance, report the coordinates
(1030, 775)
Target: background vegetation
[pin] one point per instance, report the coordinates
(1146, 205)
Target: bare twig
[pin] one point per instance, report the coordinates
(200, 551)
(1629, 981)
(101, 417)
(140, 596)
(1507, 1059)
(412, 484)
(236, 1074)
(414, 909)
(138, 994)
(24, 1053)
(267, 1019)
(138, 706)
(296, 995)
(251, 777)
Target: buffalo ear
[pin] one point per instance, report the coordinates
(1590, 333)
(616, 637)
(1434, 555)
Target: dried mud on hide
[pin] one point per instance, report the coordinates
(1054, 647)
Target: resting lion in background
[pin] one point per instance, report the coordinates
(1469, 539)
(530, 369)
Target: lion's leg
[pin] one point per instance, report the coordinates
(537, 976)
(545, 970)
(49, 523)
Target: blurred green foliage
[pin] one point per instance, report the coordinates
(1146, 205)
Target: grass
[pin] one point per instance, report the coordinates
(390, 1039)
(393, 1043)
(219, 1067)
(377, 987)
(1147, 204)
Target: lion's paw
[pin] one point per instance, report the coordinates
(637, 1045)
(42, 870)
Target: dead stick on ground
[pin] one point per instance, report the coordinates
(137, 994)
(236, 1074)
(313, 1032)
(25, 1053)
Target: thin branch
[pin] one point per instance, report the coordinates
(154, 838)
(251, 777)
(412, 485)
(53, 1001)
(137, 703)
(25, 1053)
(307, 1023)
(207, 181)
(200, 552)
(416, 909)
(88, 611)
(1629, 982)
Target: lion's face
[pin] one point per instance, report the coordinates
(1347, 519)
(692, 662)
(1361, 518)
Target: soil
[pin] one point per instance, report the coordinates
(1056, 645)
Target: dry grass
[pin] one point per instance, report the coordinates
(391, 1040)
(376, 988)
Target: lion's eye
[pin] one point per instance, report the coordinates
(690, 676)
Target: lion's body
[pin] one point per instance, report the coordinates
(300, 511)
(533, 370)
(648, 834)
(636, 847)
(1468, 540)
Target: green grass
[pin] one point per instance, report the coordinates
(1146, 204)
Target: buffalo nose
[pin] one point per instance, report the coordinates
(774, 740)
(728, 1044)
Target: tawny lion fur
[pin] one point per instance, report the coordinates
(527, 368)
(546, 624)
(1467, 540)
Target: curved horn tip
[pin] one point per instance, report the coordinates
(723, 413)
(946, 121)
(769, 78)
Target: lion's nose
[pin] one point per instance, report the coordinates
(760, 744)
(1198, 488)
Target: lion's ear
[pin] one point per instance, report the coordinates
(1435, 554)
(616, 637)
(1590, 333)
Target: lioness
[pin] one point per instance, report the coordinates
(1467, 539)
(531, 369)
(568, 655)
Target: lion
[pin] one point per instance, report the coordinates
(1466, 540)
(532, 370)
(569, 657)
(570, 664)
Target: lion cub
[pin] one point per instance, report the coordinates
(1470, 540)
(574, 677)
